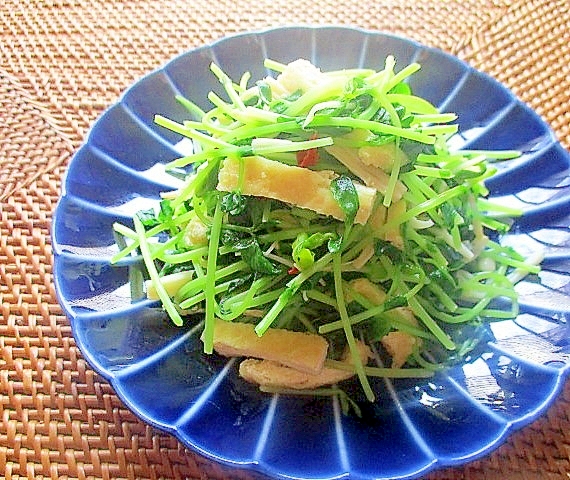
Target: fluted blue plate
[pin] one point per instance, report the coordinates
(415, 426)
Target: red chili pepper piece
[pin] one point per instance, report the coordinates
(307, 158)
(293, 271)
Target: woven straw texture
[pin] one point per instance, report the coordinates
(61, 63)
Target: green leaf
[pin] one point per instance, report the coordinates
(304, 258)
(230, 238)
(234, 203)
(335, 244)
(382, 116)
(265, 92)
(395, 302)
(239, 282)
(354, 85)
(382, 247)
(166, 212)
(345, 194)
(148, 218)
(451, 216)
(303, 247)
(401, 88)
(377, 328)
(253, 255)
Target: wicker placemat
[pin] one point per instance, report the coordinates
(62, 63)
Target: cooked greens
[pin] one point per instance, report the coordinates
(331, 203)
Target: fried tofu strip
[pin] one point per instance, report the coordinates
(171, 283)
(298, 75)
(399, 345)
(305, 352)
(273, 374)
(370, 174)
(295, 185)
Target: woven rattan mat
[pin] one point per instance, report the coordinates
(62, 63)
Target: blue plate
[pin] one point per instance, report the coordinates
(416, 426)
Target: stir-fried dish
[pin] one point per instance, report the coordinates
(326, 229)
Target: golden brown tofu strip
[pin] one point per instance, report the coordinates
(273, 374)
(371, 175)
(400, 345)
(305, 352)
(295, 185)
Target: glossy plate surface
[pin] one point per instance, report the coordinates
(157, 369)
